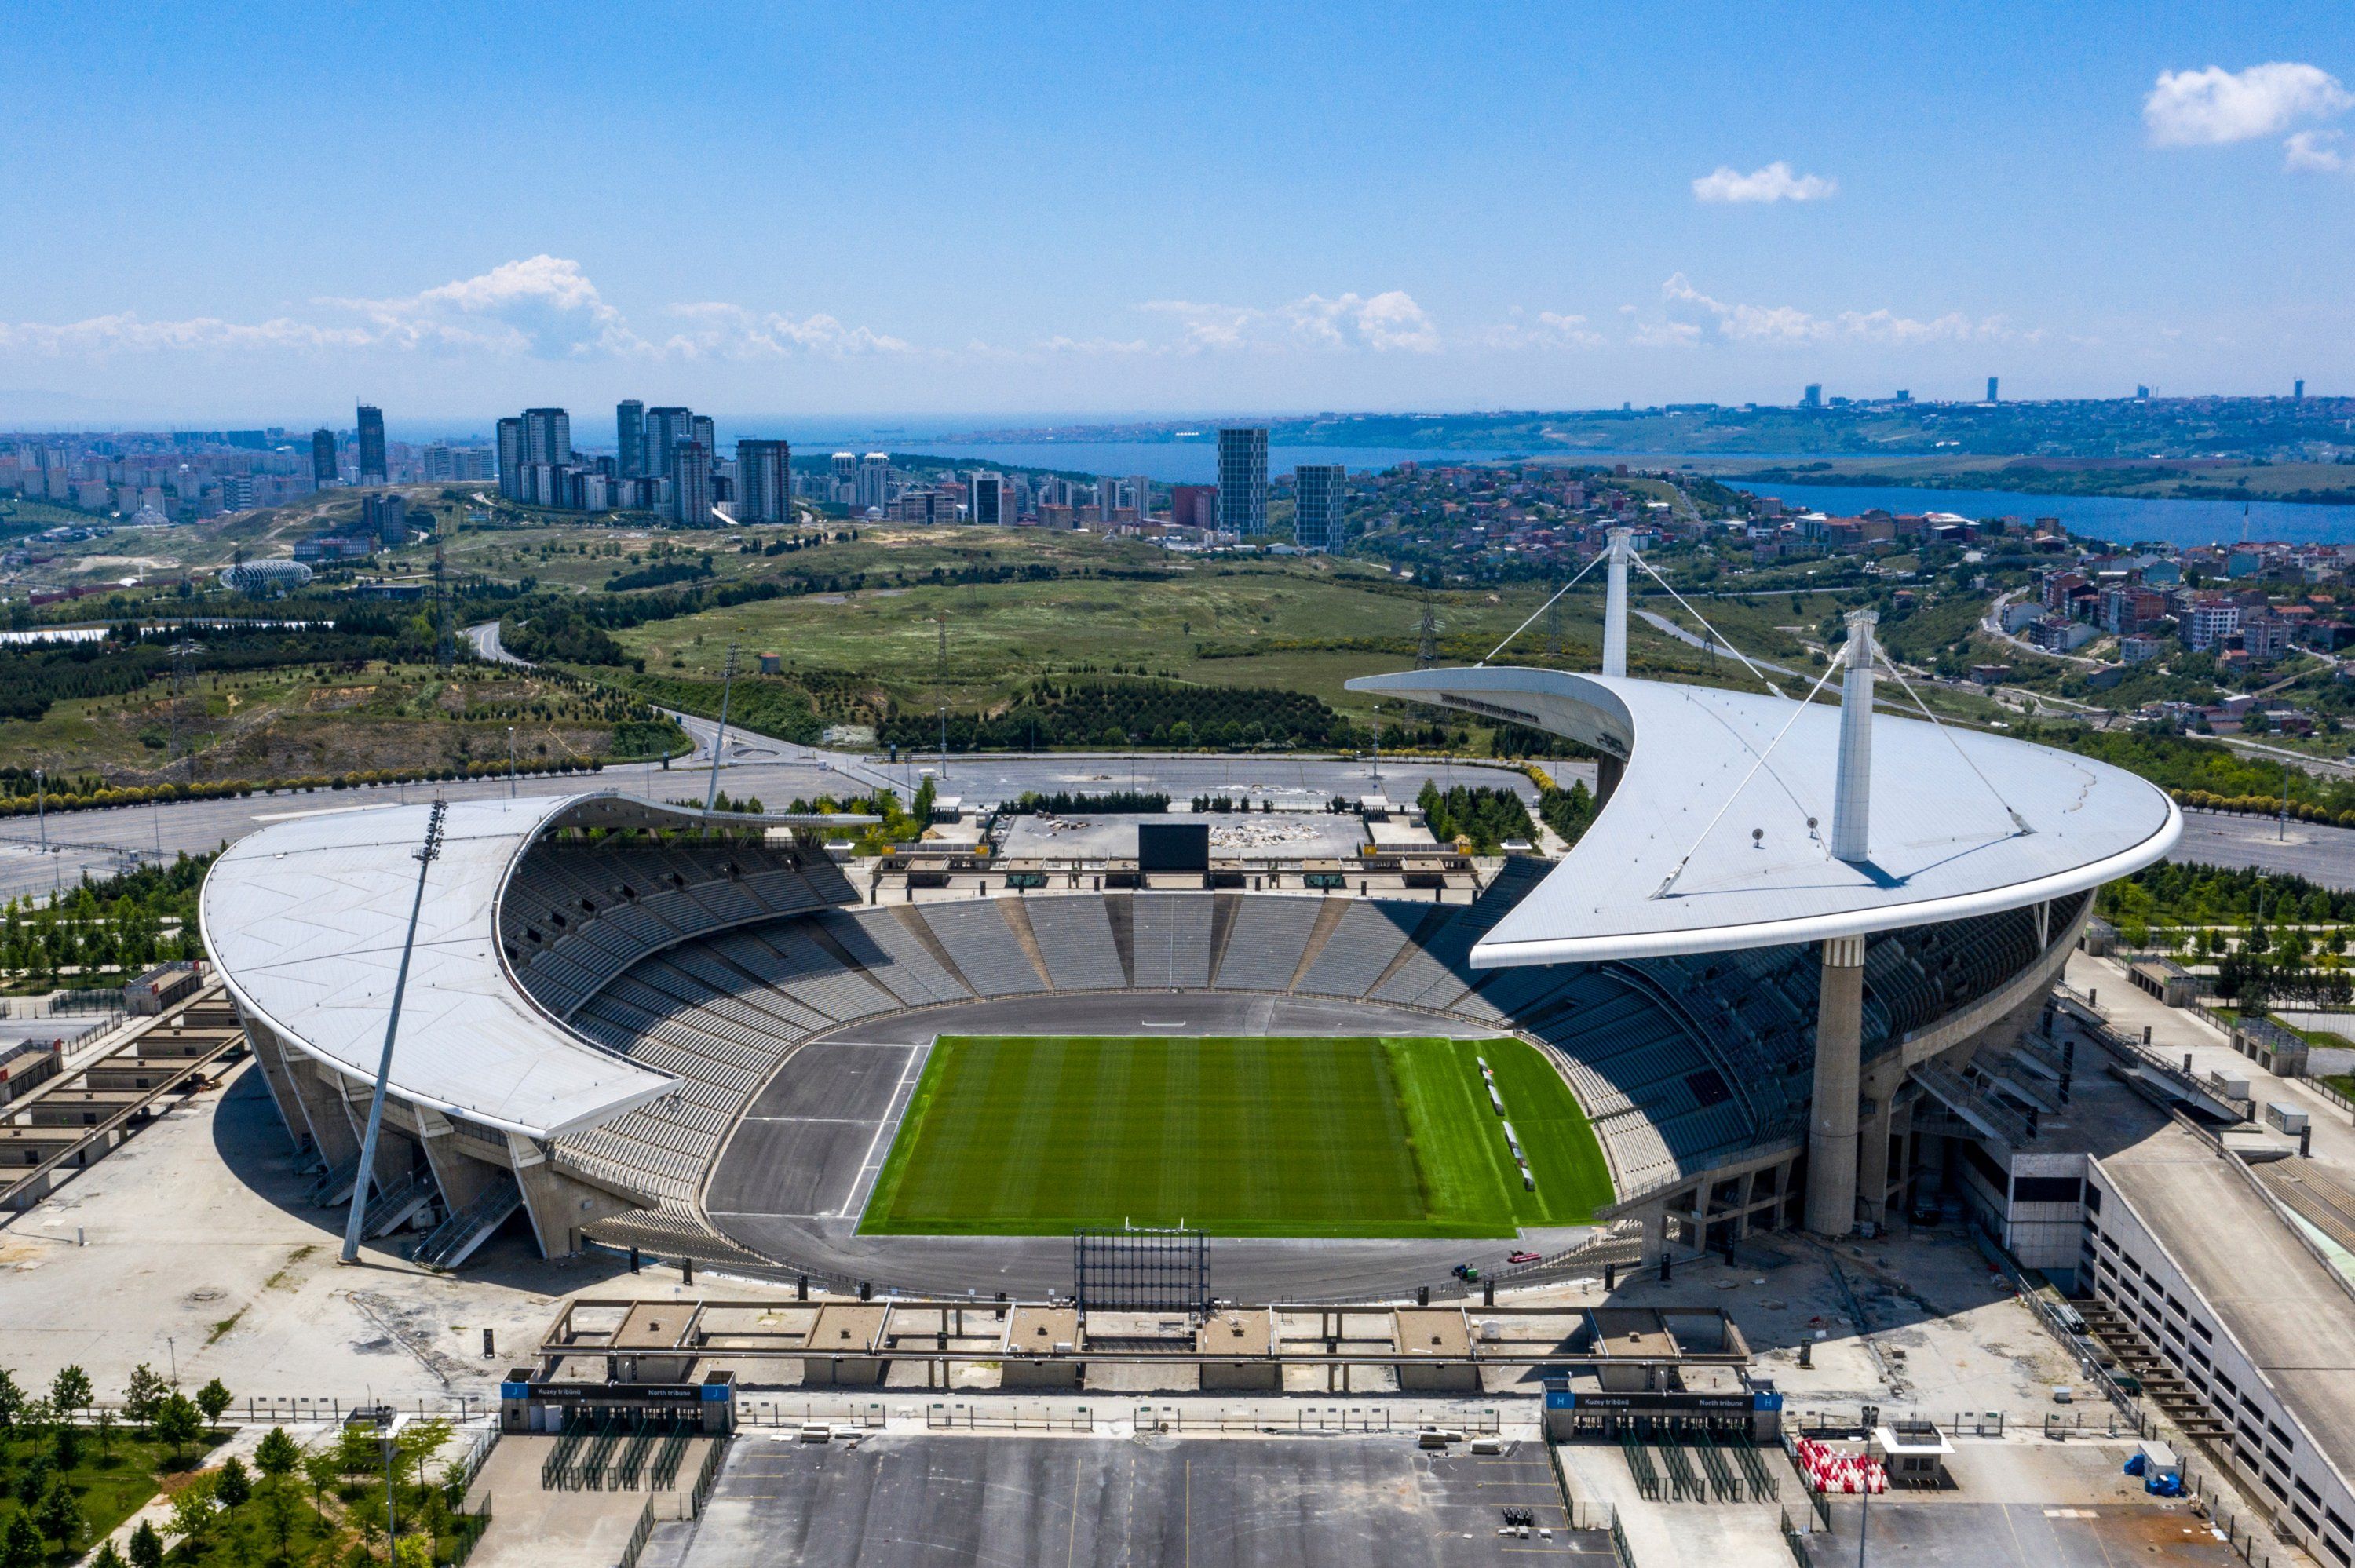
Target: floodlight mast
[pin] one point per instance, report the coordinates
(1615, 603)
(426, 854)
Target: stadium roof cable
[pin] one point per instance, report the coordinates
(1722, 641)
(2017, 820)
(1525, 625)
(1735, 793)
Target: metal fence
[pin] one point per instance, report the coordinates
(1308, 1417)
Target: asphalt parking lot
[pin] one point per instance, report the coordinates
(1218, 1502)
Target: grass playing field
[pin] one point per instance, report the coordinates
(1016, 1135)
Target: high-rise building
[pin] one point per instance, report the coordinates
(1992, 383)
(666, 428)
(846, 465)
(1107, 499)
(986, 506)
(547, 437)
(1242, 482)
(1194, 505)
(510, 444)
(1141, 489)
(700, 429)
(874, 481)
(324, 467)
(764, 487)
(1813, 398)
(372, 465)
(690, 483)
(629, 437)
(2297, 389)
(1317, 521)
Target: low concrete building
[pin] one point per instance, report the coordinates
(845, 1346)
(1042, 1349)
(1250, 1337)
(1434, 1350)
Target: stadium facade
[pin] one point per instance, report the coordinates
(1769, 1008)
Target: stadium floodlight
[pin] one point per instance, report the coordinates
(426, 854)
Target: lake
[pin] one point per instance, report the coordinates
(2120, 519)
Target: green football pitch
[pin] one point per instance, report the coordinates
(1022, 1135)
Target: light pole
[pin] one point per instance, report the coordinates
(511, 783)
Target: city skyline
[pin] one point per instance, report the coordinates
(1174, 216)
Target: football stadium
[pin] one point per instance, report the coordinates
(1752, 999)
(1785, 1138)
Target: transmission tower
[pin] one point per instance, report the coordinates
(1426, 647)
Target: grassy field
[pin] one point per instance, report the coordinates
(1335, 1138)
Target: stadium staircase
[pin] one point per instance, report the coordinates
(452, 1242)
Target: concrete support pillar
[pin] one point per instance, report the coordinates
(1608, 771)
(1615, 604)
(396, 1151)
(1872, 1162)
(269, 1056)
(321, 1104)
(1831, 1126)
(1852, 785)
(1701, 1216)
(557, 1203)
(1656, 1234)
(460, 1177)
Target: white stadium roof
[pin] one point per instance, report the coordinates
(305, 919)
(1943, 847)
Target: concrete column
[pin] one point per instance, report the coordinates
(1852, 785)
(269, 1056)
(1608, 771)
(1872, 1162)
(460, 1177)
(1615, 604)
(557, 1203)
(1831, 1126)
(1656, 1234)
(322, 1105)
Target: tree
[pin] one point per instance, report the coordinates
(145, 1395)
(22, 1546)
(212, 1399)
(233, 1485)
(146, 1546)
(178, 1423)
(193, 1509)
(321, 1469)
(60, 1517)
(12, 1398)
(278, 1507)
(108, 1557)
(276, 1456)
(415, 1444)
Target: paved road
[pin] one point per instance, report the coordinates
(1723, 650)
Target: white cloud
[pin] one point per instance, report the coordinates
(1779, 324)
(1549, 329)
(2314, 151)
(2208, 108)
(1775, 181)
(1382, 323)
(545, 307)
(731, 332)
(128, 332)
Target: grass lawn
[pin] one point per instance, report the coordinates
(1016, 1135)
(110, 1485)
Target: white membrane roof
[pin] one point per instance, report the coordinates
(305, 919)
(1943, 845)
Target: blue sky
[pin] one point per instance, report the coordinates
(457, 209)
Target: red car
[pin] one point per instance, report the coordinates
(1525, 1257)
